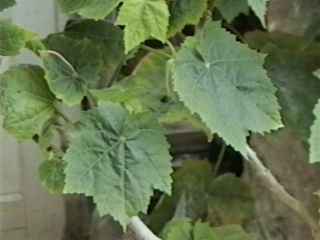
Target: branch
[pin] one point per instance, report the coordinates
(279, 191)
(141, 231)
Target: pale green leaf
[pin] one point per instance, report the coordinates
(225, 83)
(4, 4)
(230, 9)
(314, 140)
(143, 19)
(185, 12)
(72, 68)
(96, 9)
(26, 101)
(52, 176)
(119, 153)
(317, 73)
(260, 9)
(13, 38)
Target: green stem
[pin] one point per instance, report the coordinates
(150, 49)
(220, 159)
(172, 48)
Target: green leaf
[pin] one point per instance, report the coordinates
(6, 4)
(230, 9)
(190, 183)
(143, 90)
(292, 72)
(185, 230)
(144, 19)
(96, 9)
(52, 174)
(72, 67)
(314, 140)
(13, 38)
(260, 9)
(26, 101)
(178, 229)
(230, 201)
(119, 153)
(225, 83)
(108, 38)
(317, 73)
(185, 12)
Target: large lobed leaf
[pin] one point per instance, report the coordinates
(118, 159)
(72, 66)
(26, 101)
(143, 19)
(225, 83)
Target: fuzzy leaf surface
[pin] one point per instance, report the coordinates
(118, 159)
(72, 67)
(26, 101)
(211, 77)
(143, 19)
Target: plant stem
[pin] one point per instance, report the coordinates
(150, 49)
(172, 48)
(281, 193)
(220, 159)
(141, 231)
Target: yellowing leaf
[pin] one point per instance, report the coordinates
(118, 159)
(224, 82)
(13, 38)
(143, 19)
(26, 101)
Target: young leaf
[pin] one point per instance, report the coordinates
(314, 140)
(52, 175)
(184, 12)
(143, 19)
(72, 68)
(13, 38)
(260, 9)
(4, 4)
(118, 159)
(225, 83)
(232, 8)
(26, 101)
(96, 9)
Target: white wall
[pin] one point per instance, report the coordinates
(27, 211)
